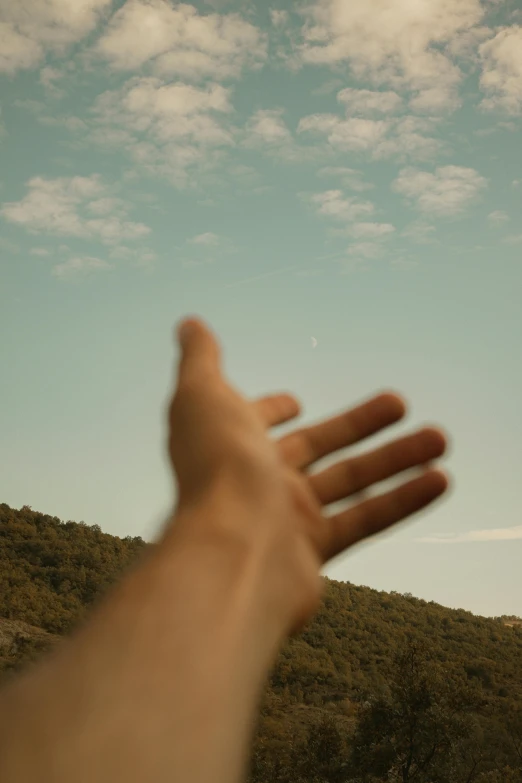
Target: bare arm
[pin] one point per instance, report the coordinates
(162, 684)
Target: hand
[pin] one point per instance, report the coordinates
(257, 491)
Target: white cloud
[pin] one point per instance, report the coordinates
(61, 207)
(40, 251)
(354, 134)
(366, 250)
(28, 28)
(79, 265)
(107, 205)
(327, 87)
(385, 42)
(180, 41)
(402, 138)
(267, 131)
(363, 102)
(167, 129)
(139, 256)
(174, 112)
(446, 192)
(208, 238)
(498, 217)
(149, 99)
(419, 233)
(501, 77)
(48, 78)
(494, 534)
(371, 230)
(267, 127)
(435, 99)
(407, 139)
(351, 179)
(513, 239)
(279, 18)
(331, 203)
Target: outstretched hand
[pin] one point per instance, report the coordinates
(224, 458)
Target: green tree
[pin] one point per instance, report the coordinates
(415, 731)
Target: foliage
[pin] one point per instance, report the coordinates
(379, 687)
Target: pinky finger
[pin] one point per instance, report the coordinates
(381, 512)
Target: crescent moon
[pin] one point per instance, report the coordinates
(314, 342)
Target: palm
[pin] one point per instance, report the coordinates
(303, 447)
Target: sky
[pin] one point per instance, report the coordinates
(348, 172)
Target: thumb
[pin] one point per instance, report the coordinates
(200, 351)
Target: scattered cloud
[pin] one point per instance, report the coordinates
(167, 111)
(179, 41)
(326, 88)
(403, 46)
(208, 238)
(446, 192)
(402, 138)
(371, 230)
(501, 77)
(72, 123)
(369, 102)
(79, 265)
(366, 250)
(494, 534)
(267, 131)
(279, 18)
(65, 207)
(419, 233)
(48, 78)
(267, 127)
(351, 179)
(333, 204)
(30, 28)
(40, 251)
(143, 257)
(513, 239)
(355, 134)
(498, 217)
(167, 128)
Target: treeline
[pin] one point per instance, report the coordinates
(377, 688)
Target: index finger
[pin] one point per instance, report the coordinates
(305, 446)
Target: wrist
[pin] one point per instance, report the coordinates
(224, 571)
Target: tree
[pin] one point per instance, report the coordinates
(324, 756)
(414, 732)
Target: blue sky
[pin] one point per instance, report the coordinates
(344, 171)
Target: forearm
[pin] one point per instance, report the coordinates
(162, 684)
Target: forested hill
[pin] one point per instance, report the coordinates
(341, 697)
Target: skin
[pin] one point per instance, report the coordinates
(220, 447)
(163, 682)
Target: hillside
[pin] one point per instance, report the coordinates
(340, 694)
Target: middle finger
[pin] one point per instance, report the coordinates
(353, 475)
(302, 448)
